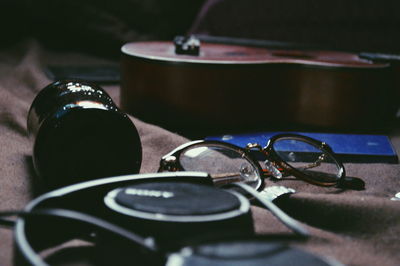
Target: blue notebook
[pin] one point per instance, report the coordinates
(358, 148)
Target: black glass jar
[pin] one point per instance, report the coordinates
(80, 134)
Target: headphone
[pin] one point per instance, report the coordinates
(173, 218)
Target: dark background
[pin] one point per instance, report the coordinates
(94, 26)
(101, 27)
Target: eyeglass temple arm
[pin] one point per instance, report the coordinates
(277, 212)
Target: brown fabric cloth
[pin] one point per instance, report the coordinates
(355, 227)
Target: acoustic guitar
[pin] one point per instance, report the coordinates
(205, 86)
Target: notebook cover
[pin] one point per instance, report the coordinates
(357, 148)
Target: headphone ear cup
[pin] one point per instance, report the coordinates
(250, 251)
(171, 212)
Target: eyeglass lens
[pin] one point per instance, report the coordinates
(225, 165)
(308, 159)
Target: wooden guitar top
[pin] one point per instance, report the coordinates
(213, 53)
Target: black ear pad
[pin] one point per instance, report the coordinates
(239, 252)
(174, 211)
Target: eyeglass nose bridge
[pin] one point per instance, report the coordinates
(251, 146)
(168, 163)
(268, 163)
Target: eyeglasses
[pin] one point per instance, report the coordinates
(284, 155)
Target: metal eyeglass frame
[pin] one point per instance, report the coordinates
(171, 162)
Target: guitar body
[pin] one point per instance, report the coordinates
(231, 87)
